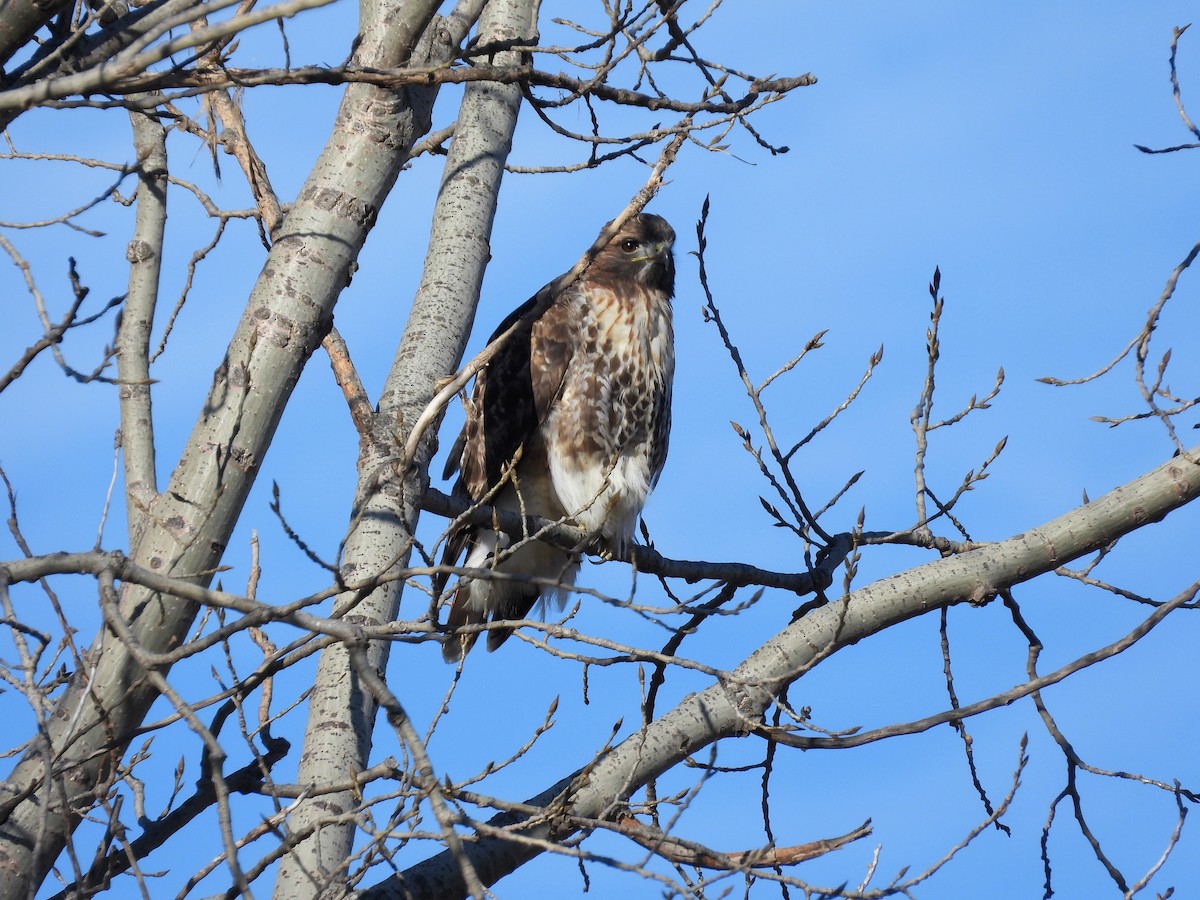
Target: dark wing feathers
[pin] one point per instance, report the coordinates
(513, 394)
(454, 461)
(552, 348)
(501, 414)
(505, 408)
(455, 457)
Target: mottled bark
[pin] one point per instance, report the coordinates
(144, 254)
(341, 712)
(189, 523)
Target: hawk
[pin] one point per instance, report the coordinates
(569, 420)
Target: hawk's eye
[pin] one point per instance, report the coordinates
(629, 245)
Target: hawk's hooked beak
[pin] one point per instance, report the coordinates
(662, 248)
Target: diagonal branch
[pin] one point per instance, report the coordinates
(738, 703)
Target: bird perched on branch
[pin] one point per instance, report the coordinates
(568, 421)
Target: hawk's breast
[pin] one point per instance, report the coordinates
(606, 439)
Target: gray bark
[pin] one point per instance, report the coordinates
(186, 528)
(341, 711)
(736, 705)
(137, 319)
(20, 20)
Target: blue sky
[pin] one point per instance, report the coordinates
(995, 142)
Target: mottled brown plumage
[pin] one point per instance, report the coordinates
(579, 398)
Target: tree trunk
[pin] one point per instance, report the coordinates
(187, 526)
(341, 713)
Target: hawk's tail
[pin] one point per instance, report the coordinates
(508, 597)
(463, 611)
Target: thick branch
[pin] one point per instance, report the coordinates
(144, 254)
(1005, 698)
(20, 20)
(736, 705)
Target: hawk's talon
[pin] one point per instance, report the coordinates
(606, 550)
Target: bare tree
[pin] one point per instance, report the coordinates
(621, 83)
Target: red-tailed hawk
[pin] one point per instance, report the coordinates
(569, 420)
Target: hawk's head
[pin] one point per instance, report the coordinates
(641, 251)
